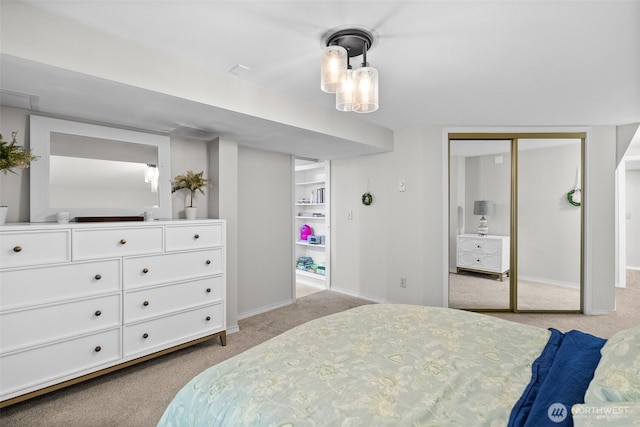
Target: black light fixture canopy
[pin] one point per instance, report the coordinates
(355, 40)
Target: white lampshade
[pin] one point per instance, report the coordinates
(334, 69)
(344, 99)
(365, 98)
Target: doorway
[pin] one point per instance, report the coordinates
(516, 222)
(311, 221)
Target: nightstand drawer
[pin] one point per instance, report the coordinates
(37, 285)
(150, 302)
(479, 262)
(166, 268)
(485, 246)
(20, 328)
(42, 365)
(197, 236)
(116, 242)
(34, 248)
(173, 330)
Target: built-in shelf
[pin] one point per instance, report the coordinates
(311, 185)
(310, 275)
(314, 245)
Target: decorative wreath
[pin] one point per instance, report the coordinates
(570, 196)
(367, 198)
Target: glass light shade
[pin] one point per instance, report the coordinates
(333, 69)
(344, 99)
(365, 97)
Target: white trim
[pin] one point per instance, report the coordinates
(361, 296)
(587, 244)
(265, 309)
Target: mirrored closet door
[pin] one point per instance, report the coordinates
(515, 234)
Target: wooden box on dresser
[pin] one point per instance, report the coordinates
(80, 300)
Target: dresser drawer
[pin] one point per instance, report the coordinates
(481, 245)
(479, 262)
(165, 268)
(37, 285)
(163, 299)
(34, 248)
(172, 330)
(184, 237)
(46, 364)
(20, 328)
(115, 242)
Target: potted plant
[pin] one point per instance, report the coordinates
(193, 182)
(12, 156)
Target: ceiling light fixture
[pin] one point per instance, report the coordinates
(356, 90)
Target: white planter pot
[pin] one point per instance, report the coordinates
(3, 213)
(190, 212)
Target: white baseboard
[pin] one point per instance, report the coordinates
(550, 282)
(360, 295)
(265, 309)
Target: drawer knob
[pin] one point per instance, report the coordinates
(208, 318)
(208, 290)
(98, 348)
(208, 261)
(98, 313)
(477, 260)
(145, 335)
(145, 270)
(478, 246)
(17, 249)
(98, 277)
(146, 303)
(123, 241)
(197, 236)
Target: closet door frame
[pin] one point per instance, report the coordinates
(513, 250)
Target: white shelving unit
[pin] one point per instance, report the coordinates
(311, 192)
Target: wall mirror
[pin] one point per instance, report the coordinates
(92, 170)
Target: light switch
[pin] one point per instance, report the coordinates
(402, 186)
(350, 215)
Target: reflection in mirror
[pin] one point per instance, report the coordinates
(97, 173)
(549, 225)
(92, 170)
(479, 189)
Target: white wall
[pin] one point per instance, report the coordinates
(265, 231)
(190, 154)
(632, 218)
(403, 234)
(400, 233)
(14, 188)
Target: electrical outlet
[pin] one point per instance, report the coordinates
(403, 282)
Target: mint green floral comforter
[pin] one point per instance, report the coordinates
(374, 365)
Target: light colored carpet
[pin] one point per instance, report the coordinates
(138, 395)
(627, 314)
(481, 291)
(303, 290)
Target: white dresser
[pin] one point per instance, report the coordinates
(82, 299)
(484, 254)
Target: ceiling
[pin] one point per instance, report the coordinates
(458, 63)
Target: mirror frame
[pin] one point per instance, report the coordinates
(40, 141)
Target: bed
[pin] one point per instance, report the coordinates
(405, 365)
